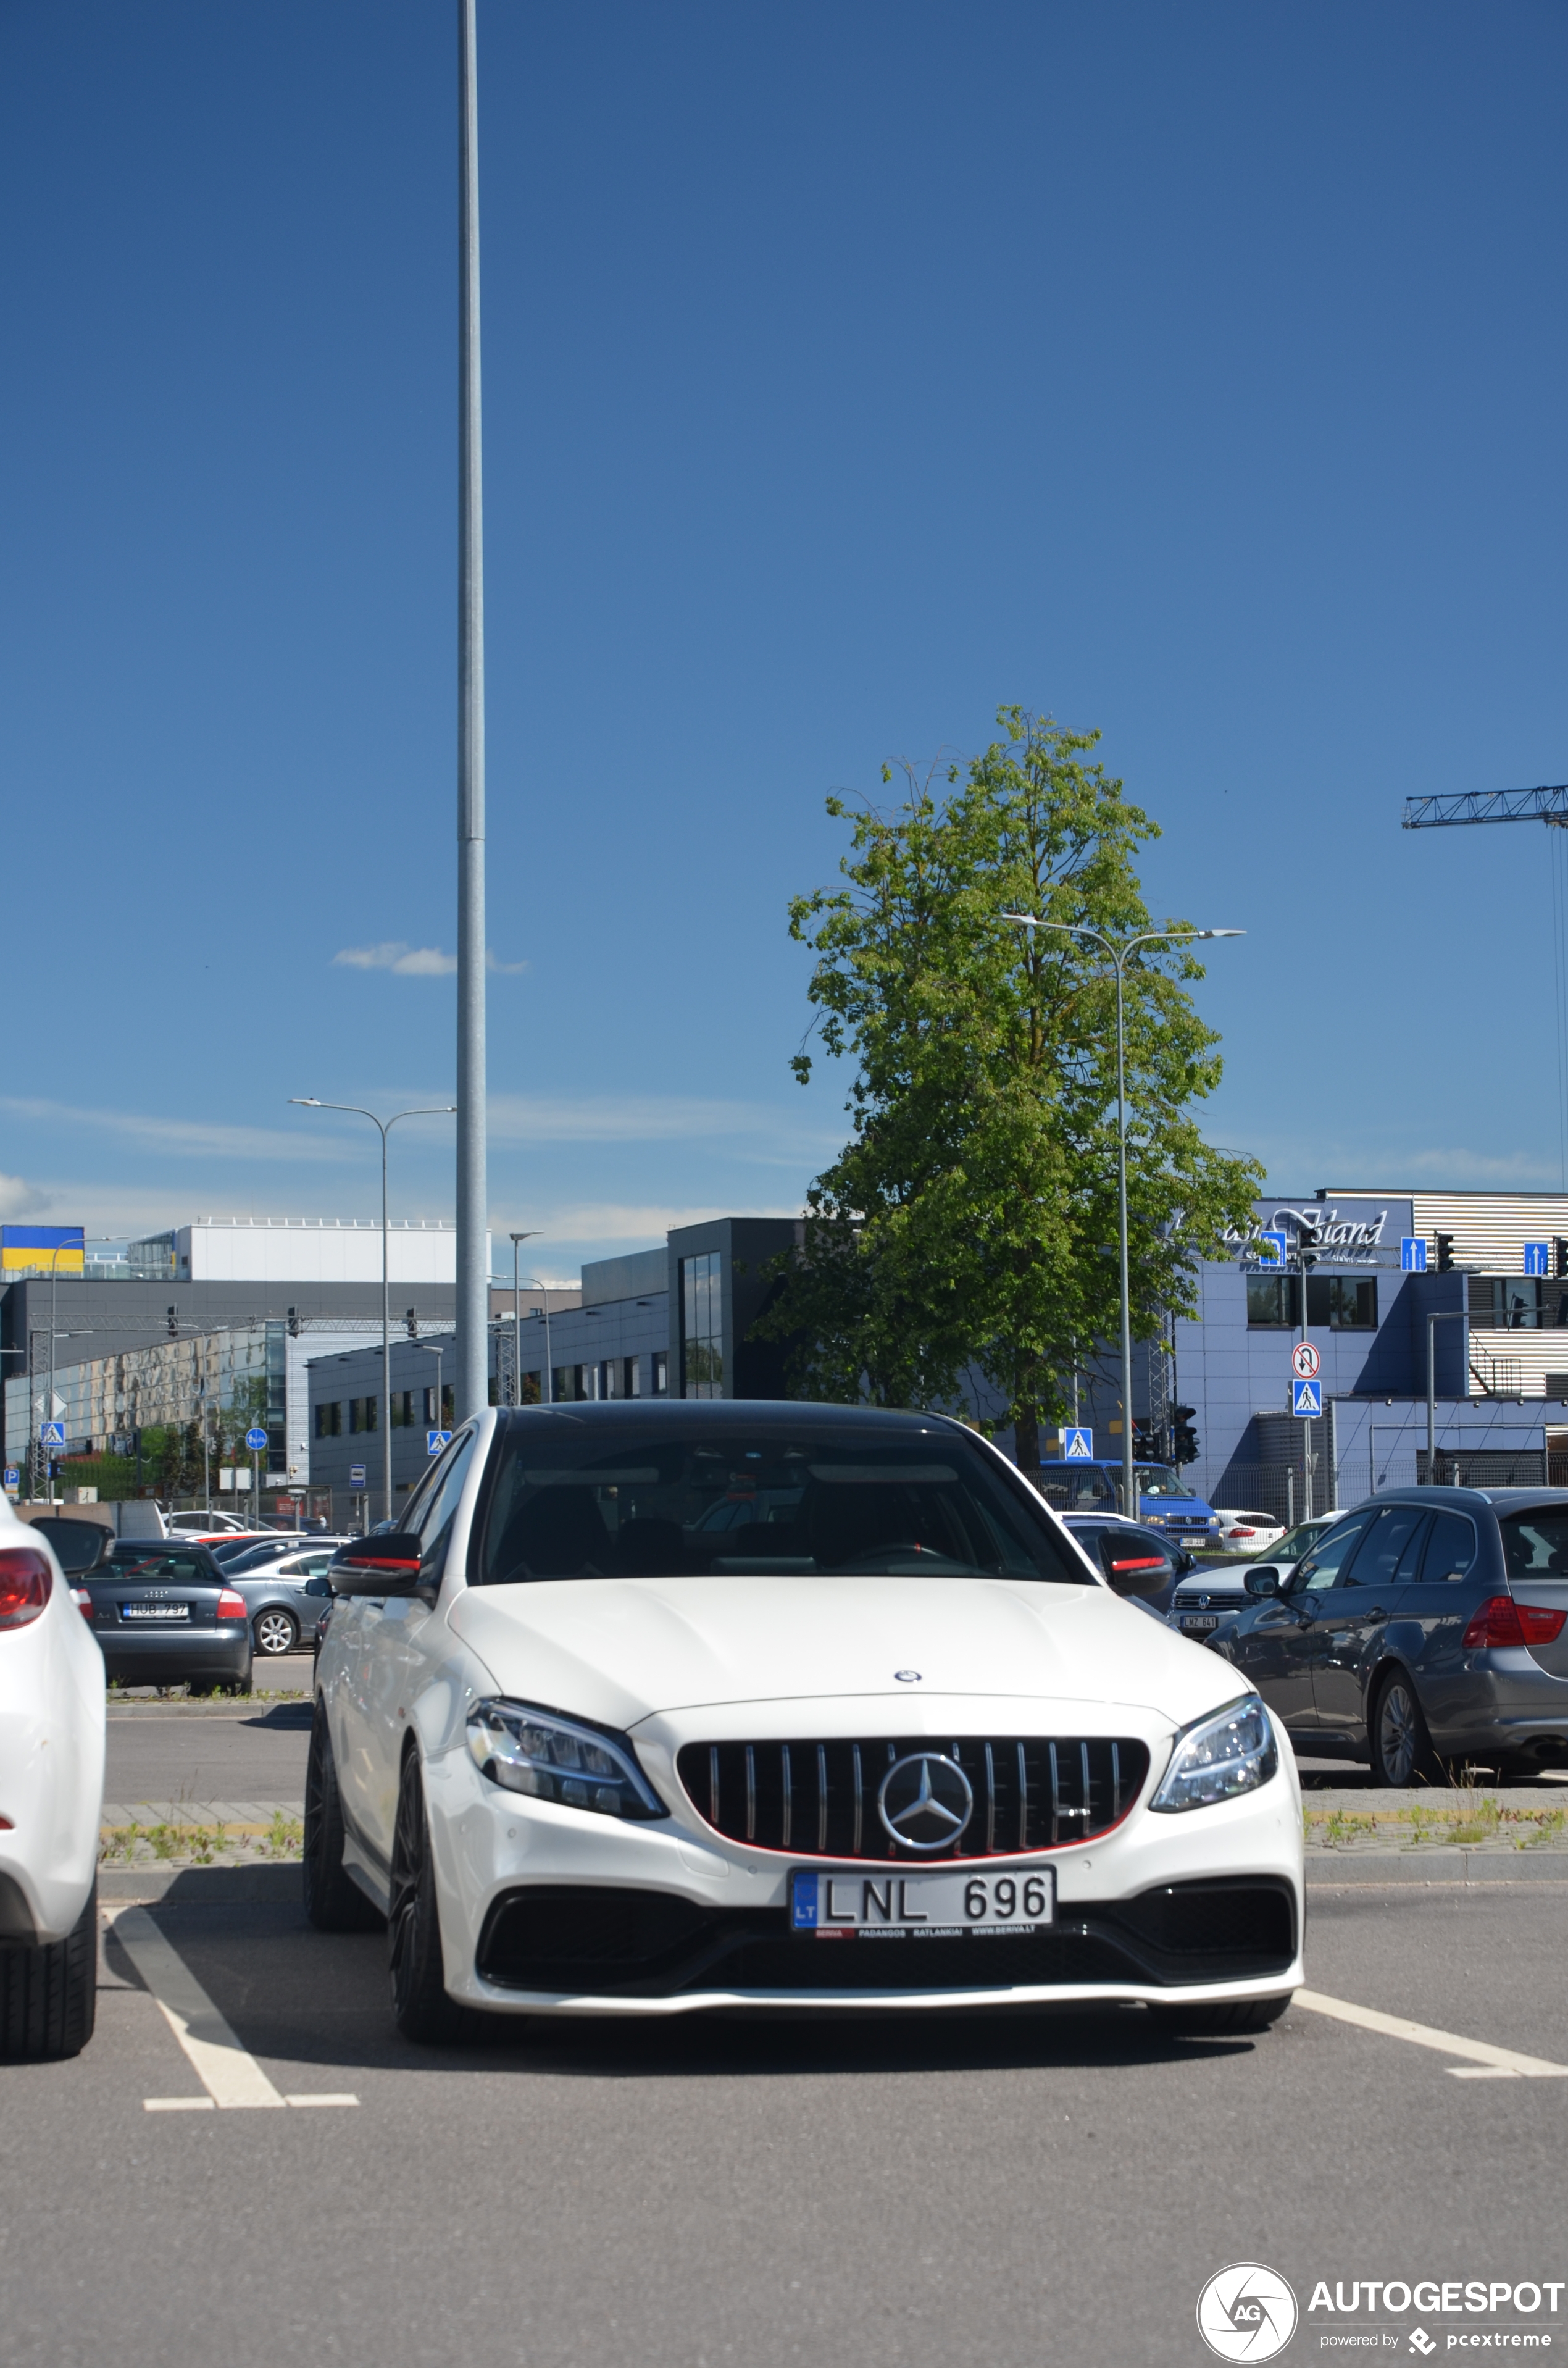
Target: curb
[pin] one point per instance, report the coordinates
(1331, 1870)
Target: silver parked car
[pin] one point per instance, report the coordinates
(1220, 1591)
(284, 1597)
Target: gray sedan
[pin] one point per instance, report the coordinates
(1426, 1628)
(285, 1599)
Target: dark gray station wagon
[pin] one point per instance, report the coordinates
(1426, 1627)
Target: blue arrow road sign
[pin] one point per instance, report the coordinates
(255, 1437)
(1411, 1254)
(1535, 1259)
(1272, 1248)
(1306, 1399)
(51, 1434)
(1078, 1446)
(436, 1440)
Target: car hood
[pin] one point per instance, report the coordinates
(620, 1650)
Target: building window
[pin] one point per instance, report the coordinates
(702, 1325)
(1274, 1302)
(661, 1361)
(1343, 1303)
(448, 1407)
(530, 1393)
(631, 1377)
(560, 1384)
(363, 1414)
(401, 1410)
(607, 1377)
(1507, 1302)
(329, 1421)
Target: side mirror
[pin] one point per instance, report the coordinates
(388, 1563)
(1260, 1583)
(1186, 1562)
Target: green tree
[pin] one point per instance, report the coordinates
(965, 1226)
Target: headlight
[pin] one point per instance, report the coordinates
(555, 1759)
(1231, 1752)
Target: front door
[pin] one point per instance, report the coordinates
(1348, 1632)
(1277, 1648)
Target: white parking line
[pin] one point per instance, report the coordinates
(1486, 2062)
(231, 2076)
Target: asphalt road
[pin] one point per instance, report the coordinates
(247, 1752)
(1004, 2191)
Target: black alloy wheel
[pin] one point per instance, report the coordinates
(421, 2009)
(49, 1995)
(1401, 1748)
(275, 1629)
(334, 1901)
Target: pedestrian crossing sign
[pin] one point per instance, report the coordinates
(1306, 1399)
(1078, 1446)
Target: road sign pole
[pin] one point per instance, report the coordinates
(474, 1273)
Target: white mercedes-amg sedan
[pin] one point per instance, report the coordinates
(874, 1735)
(51, 1793)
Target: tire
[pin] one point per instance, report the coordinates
(421, 2009)
(275, 1631)
(1402, 1750)
(334, 1901)
(1233, 2019)
(49, 1996)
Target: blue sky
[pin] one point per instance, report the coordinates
(1193, 372)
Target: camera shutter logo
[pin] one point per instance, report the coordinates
(1246, 2312)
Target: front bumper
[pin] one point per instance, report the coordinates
(679, 1920)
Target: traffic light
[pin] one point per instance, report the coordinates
(1559, 1257)
(293, 1324)
(1183, 1439)
(1445, 1252)
(173, 1325)
(411, 1323)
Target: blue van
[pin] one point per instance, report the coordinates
(1165, 1500)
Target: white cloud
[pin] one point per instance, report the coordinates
(416, 961)
(210, 1137)
(19, 1199)
(406, 961)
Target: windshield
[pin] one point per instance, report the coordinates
(1159, 1480)
(572, 1498)
(160, 1562)
(1535, 1545)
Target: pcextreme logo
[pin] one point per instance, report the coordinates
(1246, 2312)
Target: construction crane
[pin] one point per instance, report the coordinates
(1549, 805)
(1489, 806)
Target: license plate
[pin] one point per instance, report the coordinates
(154, 1612)
(1201, 1623)
(911, 1907)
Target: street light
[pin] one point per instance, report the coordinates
(1119, 952)
(433, 1349)
(518, 1318)
(384, 1126)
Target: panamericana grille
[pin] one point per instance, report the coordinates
(819, 1799)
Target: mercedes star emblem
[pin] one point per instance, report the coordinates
(907, 1676)
(924, 1802)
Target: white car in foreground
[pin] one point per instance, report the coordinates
(52, 1791)
(591, 1752)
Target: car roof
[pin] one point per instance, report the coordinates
(727, 1415)
(1504, 1500)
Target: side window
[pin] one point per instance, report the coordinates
(433, 1517)
(1450, 1549)
(1410, 1560)
(1382, 1547)
(1320, 1570)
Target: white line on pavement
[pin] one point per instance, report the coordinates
(231, 2076)
(1486, 2062)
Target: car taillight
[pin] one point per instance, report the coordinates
(1243, 1534)
(25, 1581)
(1144, 1562)
(1501, 1622)
(232, 1606)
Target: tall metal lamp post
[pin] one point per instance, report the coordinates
(1119, 949)
(518, 1318)
(384, 1127)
